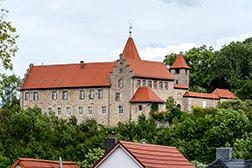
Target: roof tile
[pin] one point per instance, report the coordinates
(145, 94)
(180, 63)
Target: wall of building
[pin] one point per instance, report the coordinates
(190, 102)
(73, 101)
(120, 72)
(182, 77)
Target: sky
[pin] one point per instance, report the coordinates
(64, 31)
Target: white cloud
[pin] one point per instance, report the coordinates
(226, 40)
(157, 53)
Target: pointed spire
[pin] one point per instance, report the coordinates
(130, 50)
(130, 29)
(180, 63)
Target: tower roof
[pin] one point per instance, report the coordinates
(130, 50)
(180, 63)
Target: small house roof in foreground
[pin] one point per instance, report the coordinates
(179, 63)
(151, 156)
(38, 163)
(145, 94)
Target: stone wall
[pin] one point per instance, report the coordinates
(73, 101)
(189, 102)
(182, 77)
(120, 72)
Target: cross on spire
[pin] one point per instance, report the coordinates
(130, 29)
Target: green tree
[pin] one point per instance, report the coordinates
(91, 158)
(8, 47)
(9, 88)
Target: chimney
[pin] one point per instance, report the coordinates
(109, 142)
(81, 65)
(224, 154)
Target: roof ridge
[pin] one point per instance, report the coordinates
(162, 146)
(43, 160)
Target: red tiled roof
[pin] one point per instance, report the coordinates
(177, 86)
(150, 69)
(69, 75)
(130, 50)
(153, 156)
(92, 74)
(203, 95)
(38, 163)
(145, 94)
(180, 63)
(224, 93)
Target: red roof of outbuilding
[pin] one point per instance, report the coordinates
(201, 95)
(130, 50)
(38, 163)
(145, 94)
(178, 86)
(179, 63)
(224, 93)
(152, 156)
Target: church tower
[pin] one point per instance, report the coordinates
(180, 71)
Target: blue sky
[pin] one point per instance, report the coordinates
(63, 31)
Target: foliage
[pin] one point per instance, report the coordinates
(170, 104)
(154, 107)
(8, 47)
(229, 68)
(9, 88)
(198, 164)
(91, 157)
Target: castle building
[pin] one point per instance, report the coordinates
(112, 91)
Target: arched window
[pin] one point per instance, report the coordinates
(178, 107)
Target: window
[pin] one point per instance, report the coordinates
(144, 83)
(82, 94)
(103, 110)
(120, 110)
(54, 95)
(166, 85)
(59, 111)
(138, 83)
(204, 104)
(149, 84)
(140, 107)
(177, 71)
(91, 94)
(90, 110)
(160, 85)
(27, 96)
(117, 96)
(80, 110)
(176, 81)
(68, 111)
(120, 70)
(155, 84)
(64, 95)
(49, 111)
(100, 94)
(120, 83)
(35, 96)
(185, 71)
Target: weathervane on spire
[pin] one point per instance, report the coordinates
(130, 29)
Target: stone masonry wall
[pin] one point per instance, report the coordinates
(73, 101)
